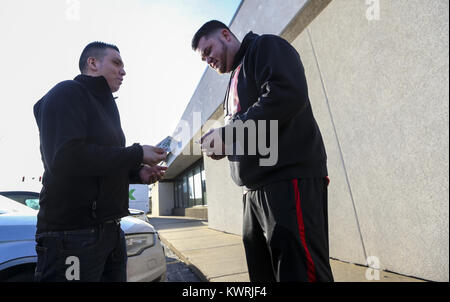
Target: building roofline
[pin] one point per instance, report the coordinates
(236, 12)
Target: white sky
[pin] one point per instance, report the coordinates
(41, 42)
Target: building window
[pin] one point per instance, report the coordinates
(185, 193)
(190, 187)
(198, 192)
(203, 184)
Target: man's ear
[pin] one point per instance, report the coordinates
(226, 34)
(92, 64)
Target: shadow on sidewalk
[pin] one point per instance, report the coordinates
(175, 222)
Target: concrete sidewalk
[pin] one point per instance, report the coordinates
(219, 257)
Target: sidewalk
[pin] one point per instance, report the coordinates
(219, 257)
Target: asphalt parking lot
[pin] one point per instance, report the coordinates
(177, 270)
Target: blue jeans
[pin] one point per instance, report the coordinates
(88, 255)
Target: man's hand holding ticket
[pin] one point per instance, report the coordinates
(212, 150)
(166, 144)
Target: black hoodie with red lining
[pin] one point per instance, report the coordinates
(269, 83)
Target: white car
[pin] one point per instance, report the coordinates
(146, 258)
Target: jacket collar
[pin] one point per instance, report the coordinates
(248, 39)
(96, 85)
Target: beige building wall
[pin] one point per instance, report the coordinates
(380, 93)
(162, 199)
(225, 207)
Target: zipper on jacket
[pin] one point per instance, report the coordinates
(94, 207)
(225, 101)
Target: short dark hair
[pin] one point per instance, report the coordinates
(208, 28)
(96, 50)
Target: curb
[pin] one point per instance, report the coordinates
(186, 260)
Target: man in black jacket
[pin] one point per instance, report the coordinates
(285, 229)
(87, 172)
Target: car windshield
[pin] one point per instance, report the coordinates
(9, 206)
(32, 203)
(30, 199)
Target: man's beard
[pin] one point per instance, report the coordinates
(223, 59)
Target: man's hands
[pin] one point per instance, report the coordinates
(150, 174)
(213, 145)
(153, 155)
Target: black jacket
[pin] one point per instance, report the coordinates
(87, 167)
(268, 83)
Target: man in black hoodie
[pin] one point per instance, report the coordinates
(285, 229)
(87, 172)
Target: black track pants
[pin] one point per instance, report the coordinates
(285, 231)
